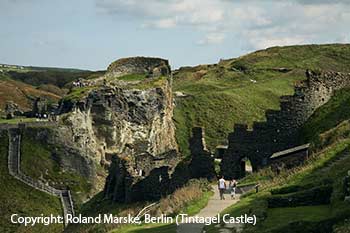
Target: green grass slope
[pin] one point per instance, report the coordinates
(58, 78)
(302, 218)
(330, 119)
(241, 90)
(189, 199)
(39, 162)
(22, 94)
(16, 197)
(24, 85)
(329, 131)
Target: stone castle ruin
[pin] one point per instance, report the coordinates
(281, 129)
(150, 66)
(202, 163)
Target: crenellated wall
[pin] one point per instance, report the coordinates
(280, 130)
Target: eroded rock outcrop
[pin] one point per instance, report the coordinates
(127, 128)
(120, 128)
(113, 120)
(12, 110)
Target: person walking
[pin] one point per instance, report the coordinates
(233, 186)
(222, 187)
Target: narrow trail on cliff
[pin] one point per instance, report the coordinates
(214, 207)
(14, 161)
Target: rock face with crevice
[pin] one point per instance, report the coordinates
(126, 129)
(125, 122)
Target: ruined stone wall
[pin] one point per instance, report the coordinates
(139, 65)
(280, 131)
(160, 177)
(202, 164)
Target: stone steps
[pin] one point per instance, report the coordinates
(67, 202)
(14, 158)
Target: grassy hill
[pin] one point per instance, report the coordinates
(329, 123)
(216, 97)
(237, 90)
(21, 93)
(328, 129)
(54, 77)
(16, 197)
(39, 161)
(240, 90)
(24, 84)
(19, 68)
(328, 170)
(189, 199)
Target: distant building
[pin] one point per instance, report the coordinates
(290, 158)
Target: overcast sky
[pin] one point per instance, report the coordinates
(89, 34)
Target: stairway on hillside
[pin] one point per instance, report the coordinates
(14, 158)
(67, 202)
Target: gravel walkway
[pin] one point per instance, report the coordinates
(214, 206)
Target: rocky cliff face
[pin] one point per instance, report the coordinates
(117, 122)
(127, 122)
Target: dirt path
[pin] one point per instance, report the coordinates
(214, 206)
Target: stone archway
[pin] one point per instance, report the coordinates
(246, 166)
(238, 166)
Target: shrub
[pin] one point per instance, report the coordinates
(193, 191)
(240, 65)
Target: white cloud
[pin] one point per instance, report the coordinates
(162, 23)
(266, 41)
(186, 11)
(212, 38)
(251, 15)
(259, 24)
(315, 2)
